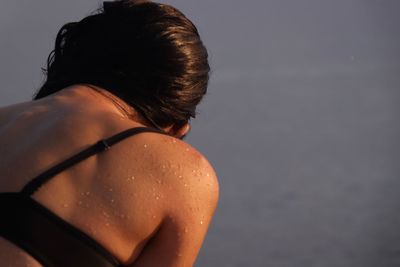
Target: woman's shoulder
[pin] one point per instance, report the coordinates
(168, 151)
(181, 166)
(185, 187)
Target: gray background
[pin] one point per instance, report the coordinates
(301, 122)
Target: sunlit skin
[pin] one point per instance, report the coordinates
(148, 200)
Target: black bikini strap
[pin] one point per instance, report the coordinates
(100, 146)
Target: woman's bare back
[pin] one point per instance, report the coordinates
(122, 197)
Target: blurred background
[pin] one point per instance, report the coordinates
(301, 122)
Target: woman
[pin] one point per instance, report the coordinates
(93, 171)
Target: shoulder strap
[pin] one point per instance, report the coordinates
(100, 146)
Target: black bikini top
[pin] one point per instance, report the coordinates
(45, 236)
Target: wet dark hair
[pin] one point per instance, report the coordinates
(147, 54)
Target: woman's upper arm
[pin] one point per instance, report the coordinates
(190, 205)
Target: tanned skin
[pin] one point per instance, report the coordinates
(148, 200)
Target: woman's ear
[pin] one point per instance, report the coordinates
(179, 130)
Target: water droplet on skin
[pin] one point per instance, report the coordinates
(157, 197)
(173, 141)
(208, 175)
(87, 193)
(180, 176)
(107, 224)
(65, 205)
(163, 166)
(201, 222)
(131, 178)
(154, 216)
(186, 185)
(145, 145)
(112, 200)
